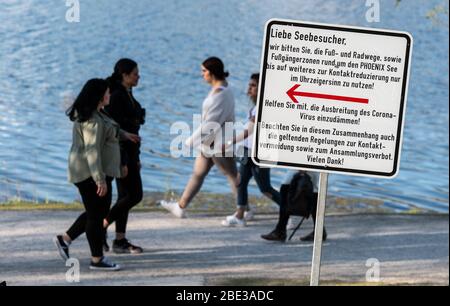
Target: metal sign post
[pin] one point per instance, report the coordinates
(318, 236)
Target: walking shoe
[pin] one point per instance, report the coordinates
(310, 236)
(125, 247)
(233, 221)
(62, 246)
(104, 265)
(275, 236)
(174, 208)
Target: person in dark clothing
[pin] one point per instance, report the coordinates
(130, 115)
(279, 233)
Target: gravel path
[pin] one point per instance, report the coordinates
(198, 251)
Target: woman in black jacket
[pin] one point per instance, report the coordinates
(126, 111)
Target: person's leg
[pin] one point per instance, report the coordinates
(130, 193)
(107, 206)
(202, 166)
(239, 184)
(63, 242)
(95, 212)
(279, 233)
(310, 236)
(262, 178)
(77, 229)
(96, 209)
(79, 226)
(245, 172)
(283, 217)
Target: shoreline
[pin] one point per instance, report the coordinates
(218, 204)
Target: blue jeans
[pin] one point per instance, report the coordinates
(247, 170)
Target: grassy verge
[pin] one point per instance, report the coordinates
(217, 204)
(274, 282)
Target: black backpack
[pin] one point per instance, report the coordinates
(300, 195)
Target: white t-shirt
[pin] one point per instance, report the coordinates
(248, 142)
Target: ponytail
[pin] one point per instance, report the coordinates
(123, 66)
(216, 67)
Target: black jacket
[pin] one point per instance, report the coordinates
(130, 115)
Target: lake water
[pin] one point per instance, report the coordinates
(44, 60)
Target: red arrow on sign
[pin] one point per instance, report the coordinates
(292, 93)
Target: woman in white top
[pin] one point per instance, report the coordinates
(248, 169)
(217, 111)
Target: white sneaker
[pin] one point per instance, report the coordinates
(293, 222)
(174, 208)
(232, 221)
(249, 215)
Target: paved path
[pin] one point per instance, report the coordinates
(197, 251)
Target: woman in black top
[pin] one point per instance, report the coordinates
(126, 111)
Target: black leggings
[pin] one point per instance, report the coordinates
(91, 221)
(129, 195)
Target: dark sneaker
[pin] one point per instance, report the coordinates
(125, 247)
(62, 247)
(310, 237)
(275, 236)
(104, 265)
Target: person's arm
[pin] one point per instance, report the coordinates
(195, 138)
(242, 136)
(125, 136)
(93, 138)
(246, 133)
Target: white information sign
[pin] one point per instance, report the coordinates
(332, 98)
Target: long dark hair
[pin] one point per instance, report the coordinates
(87, 101)
(255, 77)
(124, 65)
(216, 67)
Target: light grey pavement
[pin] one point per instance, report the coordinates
(198, 251)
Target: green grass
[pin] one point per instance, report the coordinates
(218, 204)
(18, 205)
(274, 282)
(206, 203)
